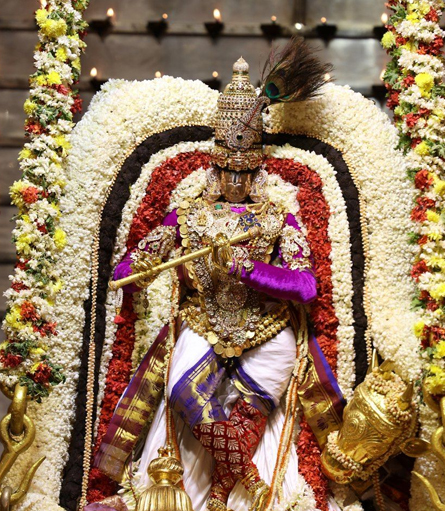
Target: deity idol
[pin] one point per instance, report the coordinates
(225, 389)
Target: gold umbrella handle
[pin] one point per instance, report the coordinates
(116, 284)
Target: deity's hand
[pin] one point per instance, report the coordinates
(222, 253)
(144, 262)
(380, 417)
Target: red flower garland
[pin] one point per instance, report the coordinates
(164, 180)
(149, 215)
(315, 213)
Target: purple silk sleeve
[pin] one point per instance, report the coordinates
(123, 269)
(282, 283)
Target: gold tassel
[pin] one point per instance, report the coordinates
(166, 472)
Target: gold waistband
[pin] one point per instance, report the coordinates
(269, 326)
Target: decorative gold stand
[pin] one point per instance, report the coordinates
(17, 433)
(165, 471)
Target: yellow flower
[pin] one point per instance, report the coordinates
(398, 110)
(26, 219)
(424, 8)
(59, 238)
(35, 367)
(56, 207)
(432, 216)
(41, 80)
(41, 16)
(425, 82)
(54, 28)
(37, 351)
(25, 153)
(422, 149)
(434, 369)
(439, 186)
(15, 192)
(439, 113)
(436, 384)
(29, 107)
(61, 141)
(56, 287)
(438, 292)
(436, 262)
(434, 235)
(53, 78)
(61, 54)
(439, 350)
(388, 40)
(76, 64)
(418, 328)
(409, 45)
(13, 318)
(413, 17)
(60, 182)
(23, 243)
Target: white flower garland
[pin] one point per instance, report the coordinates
(367, 140)
(29, 323)
(415, 81)
(130, 115)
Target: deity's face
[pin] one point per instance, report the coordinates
(235, 186)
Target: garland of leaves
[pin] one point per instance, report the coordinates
(29, 324)
(416, 93)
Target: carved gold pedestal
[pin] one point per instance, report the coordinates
(17, 433)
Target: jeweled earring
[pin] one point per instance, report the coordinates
(213, 186)
(258, 192)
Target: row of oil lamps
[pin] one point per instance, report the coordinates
(378, 91)
(214, 28)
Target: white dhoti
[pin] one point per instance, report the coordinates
(270, 366)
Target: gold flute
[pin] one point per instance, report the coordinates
(116, 284)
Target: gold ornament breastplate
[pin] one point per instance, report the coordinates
(226, 311)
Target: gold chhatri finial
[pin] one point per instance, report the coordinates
(241, 66)
(165, 471)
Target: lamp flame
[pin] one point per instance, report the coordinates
(384, 18)
(217, 15)
(93, 72)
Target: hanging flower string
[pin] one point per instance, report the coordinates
(416, 93)
(29, 324)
